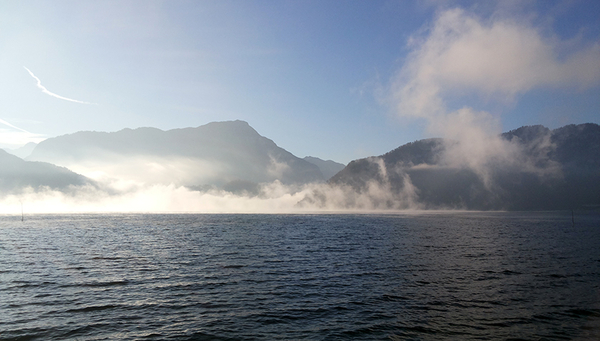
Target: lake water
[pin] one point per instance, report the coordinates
(459, 276)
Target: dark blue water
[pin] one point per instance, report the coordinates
(461, 276)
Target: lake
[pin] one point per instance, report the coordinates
(430, 276)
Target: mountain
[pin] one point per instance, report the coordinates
(229, 155)
(327, 167)
(546, 170)
(17, 174)
(24, 151)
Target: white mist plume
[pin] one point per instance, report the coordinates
(44, 90)
(494, 59)
(123, 192)
(376, 194)
(276, 168)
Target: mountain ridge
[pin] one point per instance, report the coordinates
(328, 167)
(554, 169)
(17, 175)
(536, 169)
(216, 154)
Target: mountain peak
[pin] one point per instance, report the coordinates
(213, 154)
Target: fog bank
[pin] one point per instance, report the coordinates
(157, 198)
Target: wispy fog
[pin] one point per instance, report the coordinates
(271, 198)
(495, 60)
(377, 193)
(158, 185)
(123, 173)
(226, 167)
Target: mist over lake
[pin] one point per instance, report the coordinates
(469, 275)
(300, 170)
(227, 167)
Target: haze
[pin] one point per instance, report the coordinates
(335, 80)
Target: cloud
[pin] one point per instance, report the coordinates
(462, 55)
(500, 58)
(44, 90)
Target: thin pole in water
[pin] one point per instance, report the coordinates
(21, 211)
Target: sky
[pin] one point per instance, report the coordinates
(338, 80)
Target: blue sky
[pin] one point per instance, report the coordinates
(338, 80)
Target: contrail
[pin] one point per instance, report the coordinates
(44, 90)
(12, 126)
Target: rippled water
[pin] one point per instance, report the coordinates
(484, 276)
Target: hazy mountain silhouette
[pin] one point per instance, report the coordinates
(17, 174)
(328, 168)
(558, 169)
(230, 155)
(23, 151)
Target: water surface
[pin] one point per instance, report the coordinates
(463, 276)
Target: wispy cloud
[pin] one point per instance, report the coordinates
(44, 90)
(12, 126)
(12, 138)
